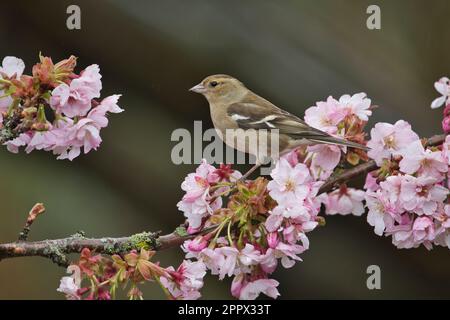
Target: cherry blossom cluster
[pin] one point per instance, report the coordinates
(244, 229)
(344, 118)
(54, 109)
(264, 222)
(97, 277)
(242, 244)
(407, 196)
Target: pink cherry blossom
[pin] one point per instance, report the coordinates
(422, 195)
(248, 255)
(22, 140)
(237, 284)
(325, 158)
(446, 150)
(443, 87)
(411, 210)
(402, 234)
(69, 288)
(91, 79)
(292, 210)
(294, 233)
(392, 188)
(289, 184)
(272, 239)
(12, 67)
(251, 290)
(446, 124)
(84, 133)
(444, 216)
(186, 281)
(287, 252)
(41, 140)
(291, 157)
(387, 140)
(54, 139)
(209, 257)
(109, 104)
(417, 159)
(275, 219)
(344, 201)
(423, 229)
(70, 285)
(325, 115)
(196, 209)
(301, 213)
(269, 261)
(197, 203)
(75, 126)
(357, 104)
(442, 233)
(371, 183)
(379, 215)
(196, 245)
(75, 99)
(68, 137)
(227, 261)
(197, 183)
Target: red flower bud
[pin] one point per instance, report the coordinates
(446, 124)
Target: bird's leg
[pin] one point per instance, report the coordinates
(249, 172)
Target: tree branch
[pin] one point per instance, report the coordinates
(57, 249)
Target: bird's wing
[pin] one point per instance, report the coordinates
(249, 115)
(262, 114)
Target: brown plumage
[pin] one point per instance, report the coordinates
(233, 106)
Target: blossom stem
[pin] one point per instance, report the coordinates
(221, 226)
(230, 239)
(5, 81)
(220, 185)
(12, 107)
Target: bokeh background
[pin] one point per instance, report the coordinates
(293, 52)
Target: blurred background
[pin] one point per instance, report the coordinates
(292, 52)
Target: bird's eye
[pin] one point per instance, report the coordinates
(213, 83)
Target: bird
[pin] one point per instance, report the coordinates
(235, 108)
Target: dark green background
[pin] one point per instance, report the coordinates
(291, 52)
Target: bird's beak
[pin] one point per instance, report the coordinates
(198, 88)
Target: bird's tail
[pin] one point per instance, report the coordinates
(339, 142)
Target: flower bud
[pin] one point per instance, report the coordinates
(321, 221)
(39, 126)
(191, 230)
(197, 244)
(66, 66)
(51, 74)
(446, 124)
(447, 110)
(37, 209)
(272, 239)
(43, 71)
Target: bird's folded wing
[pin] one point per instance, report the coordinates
(253, 116)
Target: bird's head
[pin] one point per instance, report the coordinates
(221, 88)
